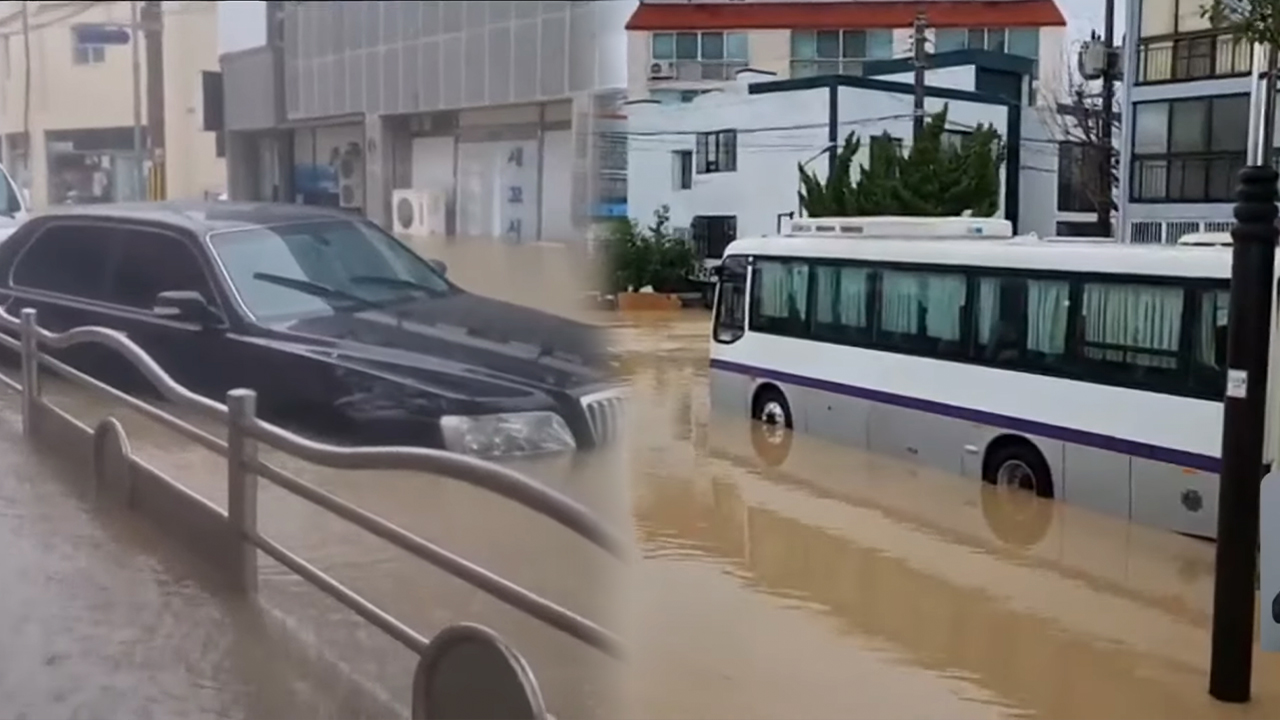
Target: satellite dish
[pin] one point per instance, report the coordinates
(469, 672)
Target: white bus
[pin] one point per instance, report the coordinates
(1088, 372)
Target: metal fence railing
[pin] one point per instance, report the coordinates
(245, 431)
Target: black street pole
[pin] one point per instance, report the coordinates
(1108, 149)
(1253, 255)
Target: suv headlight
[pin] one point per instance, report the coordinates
(508, 434)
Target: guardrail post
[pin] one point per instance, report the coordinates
(242, 485)
(30, 370)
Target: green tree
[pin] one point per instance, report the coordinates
(652, 256)
(935, 177)
(830, 197)
(1257, 21)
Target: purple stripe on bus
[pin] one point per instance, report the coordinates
(1172, 456)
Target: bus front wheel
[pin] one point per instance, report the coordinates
(771, 431)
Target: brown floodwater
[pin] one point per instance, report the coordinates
(825, 582)
(811, 581)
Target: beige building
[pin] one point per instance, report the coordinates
(77, 103)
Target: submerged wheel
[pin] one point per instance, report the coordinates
(1019, 465)
(771, 431)
(1016, 500)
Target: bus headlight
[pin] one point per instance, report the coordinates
(506, 435)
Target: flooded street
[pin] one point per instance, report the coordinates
(833, 583)
(799, 580)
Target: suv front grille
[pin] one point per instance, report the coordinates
(605, 411)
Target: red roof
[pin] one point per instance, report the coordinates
(843, 15)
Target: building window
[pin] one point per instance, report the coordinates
(1189, 150)
(84, 53)
(1024, 42)
(612, 189)
(1192, 58)
(837, 52)
(1077, 171)
(701, 56)
(682, 169)
(717, 152)
(612, 149)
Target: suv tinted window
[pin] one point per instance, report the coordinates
(149, 263)
(67, 259)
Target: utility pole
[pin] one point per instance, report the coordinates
(1107, 117)
(919, 59)
(153, 30)
(139, 150)
(26, 98)
(1253, 252)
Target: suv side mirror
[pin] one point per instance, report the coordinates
(439, 266)
(186, 306)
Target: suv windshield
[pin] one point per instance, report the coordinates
(286, 272)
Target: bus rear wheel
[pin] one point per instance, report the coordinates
(1014, 502)
(1019, 465)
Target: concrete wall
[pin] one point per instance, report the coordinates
(415, 56)
(249, 89)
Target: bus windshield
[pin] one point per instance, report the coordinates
(731, 301)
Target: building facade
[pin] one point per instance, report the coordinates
(1186, 89)
(75, 102)
(487, 107)
(724, 165)
(679, 48)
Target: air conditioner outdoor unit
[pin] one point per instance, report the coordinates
(434, 206)
(664, 70)
(350, 168)
(406, 212)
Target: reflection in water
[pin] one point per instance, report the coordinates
(933, 595)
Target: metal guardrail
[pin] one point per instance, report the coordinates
(245, 430)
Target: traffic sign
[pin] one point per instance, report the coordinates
(101, 35)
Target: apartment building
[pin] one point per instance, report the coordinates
(68, 120)
(1187, 112)
(677, 49)
(483, 110)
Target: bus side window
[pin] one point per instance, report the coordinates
(1132, 333)
(731, 306)
(1021, 321)
(1209, 344)
(780, 297)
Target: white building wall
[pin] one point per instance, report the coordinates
(776, 133)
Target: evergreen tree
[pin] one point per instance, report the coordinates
(933, 178)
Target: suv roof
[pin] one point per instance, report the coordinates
(203, 217)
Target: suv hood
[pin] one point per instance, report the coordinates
(474, 334)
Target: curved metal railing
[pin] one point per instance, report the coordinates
(245, 430)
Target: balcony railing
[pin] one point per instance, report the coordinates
(1196, 57)
(694, 70)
